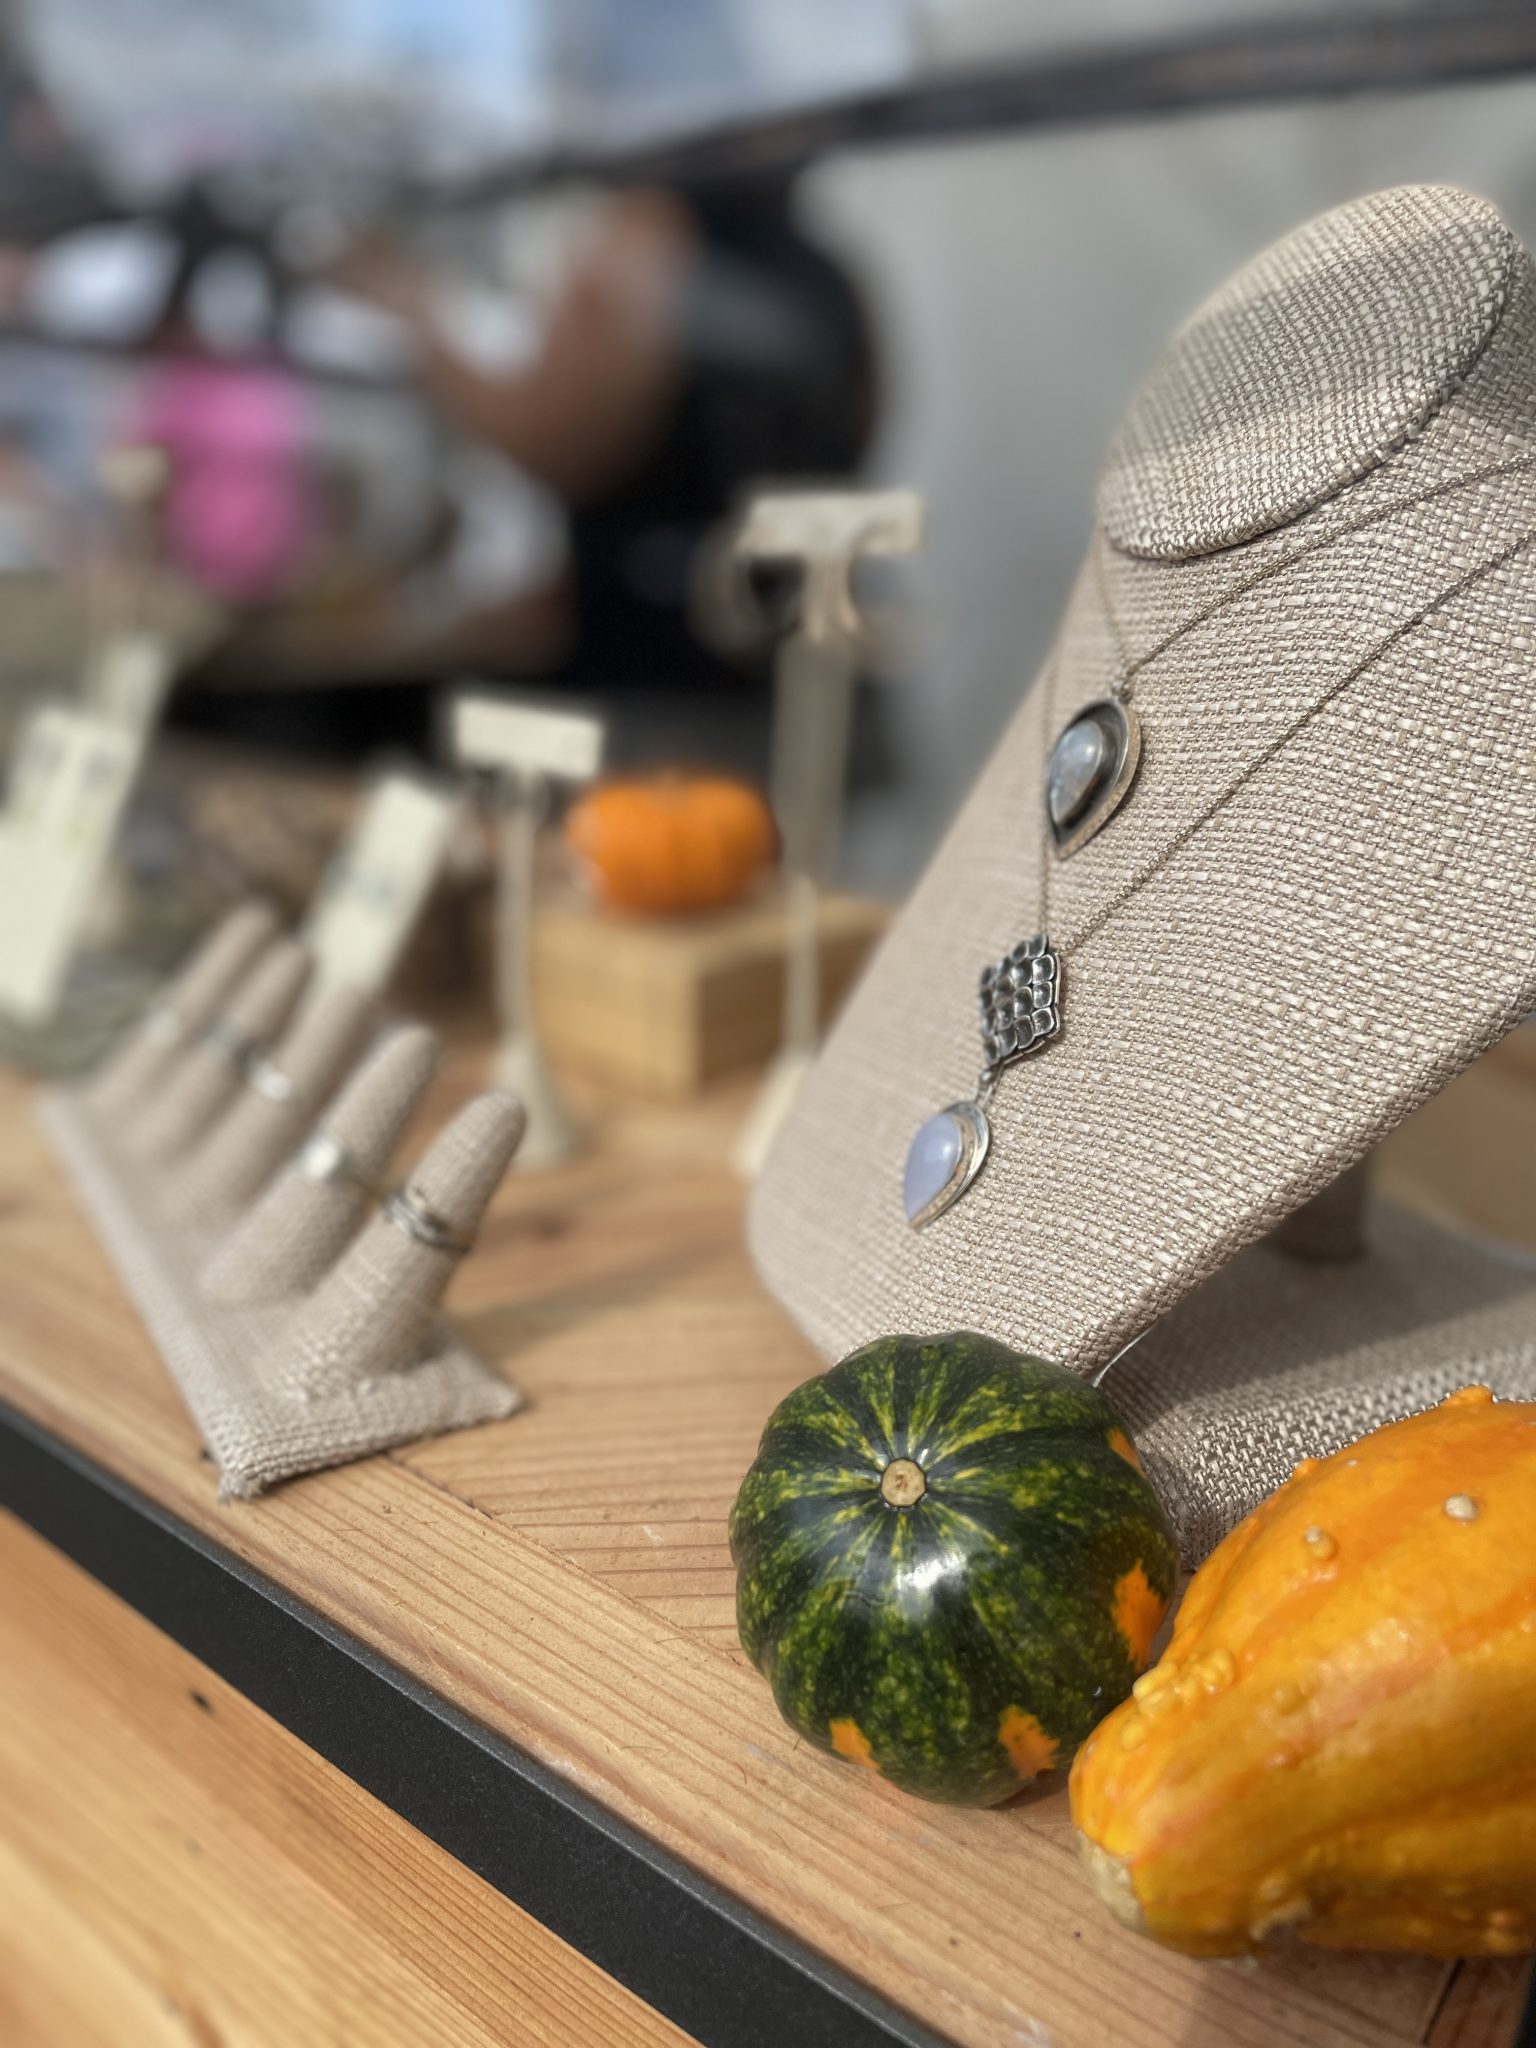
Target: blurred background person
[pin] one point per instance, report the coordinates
(698, 342)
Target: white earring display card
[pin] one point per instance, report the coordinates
(70, 781)
(376, 886)
(520, 738)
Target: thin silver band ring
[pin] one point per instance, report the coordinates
(323, 1159)
(270, 1081)
(409, 1212)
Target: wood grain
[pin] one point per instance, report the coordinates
(175, 1868)
(563, 1577)
(1479, 2008)
(699, 996)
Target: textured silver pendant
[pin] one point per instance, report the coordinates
(1020, 1001)
(1092, 767)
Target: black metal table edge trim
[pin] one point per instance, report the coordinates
(682, 1943)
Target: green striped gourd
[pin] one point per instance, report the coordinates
(950, 1565)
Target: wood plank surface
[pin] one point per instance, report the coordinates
(563, 1577)
(1478, 2008)
(177, 1869)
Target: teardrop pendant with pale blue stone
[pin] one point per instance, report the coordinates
(943, 1159)
(1020, 999)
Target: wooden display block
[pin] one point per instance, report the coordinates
(663, 1005)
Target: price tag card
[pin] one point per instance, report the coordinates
(378, 882)
(69, 782)
(523, 738)
(830, 525)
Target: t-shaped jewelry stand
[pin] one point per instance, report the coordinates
(825, 532)
(528, 748)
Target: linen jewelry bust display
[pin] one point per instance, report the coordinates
(1271, 816)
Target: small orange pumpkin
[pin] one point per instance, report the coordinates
(1340, 1744)
(672, 842)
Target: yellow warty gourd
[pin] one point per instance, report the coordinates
(1340, 1745)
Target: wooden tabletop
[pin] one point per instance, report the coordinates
(562, 1580)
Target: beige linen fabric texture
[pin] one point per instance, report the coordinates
(191, 1000)
(369, 1315)
(223, 1173)
(1274, 1360)
(1248, 421)
(206, 1077)
(298, 1226)
(1353, 927)
(232, 1363)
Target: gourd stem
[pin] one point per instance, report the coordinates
(903, 1483)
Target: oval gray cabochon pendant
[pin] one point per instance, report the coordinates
(1092, 767)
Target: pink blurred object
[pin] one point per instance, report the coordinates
(240, 515)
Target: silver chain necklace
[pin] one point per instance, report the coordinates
(1020, 995)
